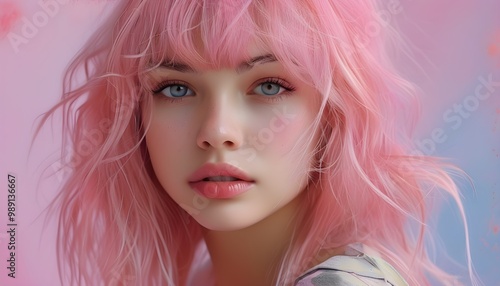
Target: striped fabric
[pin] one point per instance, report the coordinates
(353, 268)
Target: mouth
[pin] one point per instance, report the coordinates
(220, 172)
(221, 179)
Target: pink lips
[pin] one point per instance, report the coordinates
(220, 181)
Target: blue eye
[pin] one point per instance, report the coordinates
(269, 88)
(176, 90)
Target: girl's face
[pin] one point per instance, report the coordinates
(229, 146)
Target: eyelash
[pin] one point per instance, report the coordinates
(164, 84)
(274, 80)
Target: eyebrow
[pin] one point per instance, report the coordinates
(242, 67)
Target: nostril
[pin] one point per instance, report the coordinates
(229, 143)
(225, 144)
(205, 144)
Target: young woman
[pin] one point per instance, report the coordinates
(243, 143)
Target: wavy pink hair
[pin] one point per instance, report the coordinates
(116, 223)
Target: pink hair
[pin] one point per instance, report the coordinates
(116, 223)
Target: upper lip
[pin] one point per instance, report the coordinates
(220, 169)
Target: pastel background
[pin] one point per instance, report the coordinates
(456, 50)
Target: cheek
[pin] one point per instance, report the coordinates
(160, 140)
(167, 134)
(283, 141)
(166, 141)
(286, 133)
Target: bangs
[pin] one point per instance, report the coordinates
(187, 32)
(209, 34)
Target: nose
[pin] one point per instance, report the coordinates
(220, 126)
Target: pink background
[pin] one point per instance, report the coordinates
(454, 43)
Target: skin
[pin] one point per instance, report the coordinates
(226, 116)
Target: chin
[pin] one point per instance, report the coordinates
(223, 221)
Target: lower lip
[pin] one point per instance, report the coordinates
(221, 190)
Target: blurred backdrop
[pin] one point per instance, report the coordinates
(456, 62)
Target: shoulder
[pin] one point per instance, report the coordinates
(354, 268)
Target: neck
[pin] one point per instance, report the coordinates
(251, 256)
